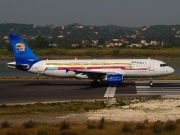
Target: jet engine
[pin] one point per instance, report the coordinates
(114, 79)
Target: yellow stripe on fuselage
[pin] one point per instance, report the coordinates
(85, 64)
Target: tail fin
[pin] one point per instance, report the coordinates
(23, 54)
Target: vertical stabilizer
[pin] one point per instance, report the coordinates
(23, 54)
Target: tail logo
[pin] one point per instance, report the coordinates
(20, 48)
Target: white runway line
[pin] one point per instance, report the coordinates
(142, 87)
(159, 81)
(158, 92)
(110, 92)
(147, 90)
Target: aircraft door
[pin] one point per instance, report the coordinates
(40, 67)
(151, 65)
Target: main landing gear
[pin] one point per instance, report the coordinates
(94, 83)
(151, 82)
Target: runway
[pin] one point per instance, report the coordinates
(28, 91)
(171, 87)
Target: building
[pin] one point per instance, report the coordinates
(74, 45)
(85, 42)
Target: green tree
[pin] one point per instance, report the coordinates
(123, 45)
(39, 42)
(101, 41)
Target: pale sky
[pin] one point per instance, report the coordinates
(131, 13)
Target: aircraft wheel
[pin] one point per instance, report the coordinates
(151, 83)
(94, 84)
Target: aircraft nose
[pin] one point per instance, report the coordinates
(171, 71)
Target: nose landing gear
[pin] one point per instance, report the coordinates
(151, 82)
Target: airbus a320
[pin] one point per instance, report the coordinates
(113, 71)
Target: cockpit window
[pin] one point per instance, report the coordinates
(163, 65)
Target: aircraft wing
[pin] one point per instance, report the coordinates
(91, 74)
(96, 74)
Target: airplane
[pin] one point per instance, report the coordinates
(113, 71)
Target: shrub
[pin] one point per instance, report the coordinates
(146, 120)
(3, 106)
(178, 121)
(5, 124)
(121, 102)
(170, 125)
(11, 133)
(157, 128)
(64, 125)
(101, 123)
(140, 126)
(126, 128)
(68, 133)
(29, 124)
(91, 126)
(86, 108)
(42, 132)
(115, 52)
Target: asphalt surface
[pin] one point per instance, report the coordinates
(28, 91)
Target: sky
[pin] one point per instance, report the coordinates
(130, 13)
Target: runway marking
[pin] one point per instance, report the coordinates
(147, 90)
(165, 88)
(159, 81)
(158, 92)
(110, 92)
(141, 87)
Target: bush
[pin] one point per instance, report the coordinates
(68, 133)
(29, 124)
(115, 52)
(157, 128)
(140, 126)
(3, 106)
(121, 103)
(42, 132)
(11, 133)
(170, 125)
(64, 125)
(91, 126)
(178, 121)
(101, 123)
(5, 124)
(146, 120)
(126, 128)
(86, 108)
(97, 54)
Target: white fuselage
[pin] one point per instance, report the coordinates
(126, 67)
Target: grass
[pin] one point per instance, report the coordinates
(91, 128)
(62, 53)
(29, 124)
(57, 107)
(170, 125)
(65, 127)
(127, 128)
(5, 124)
(140, 126)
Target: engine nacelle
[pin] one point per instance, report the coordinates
(114, 79)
